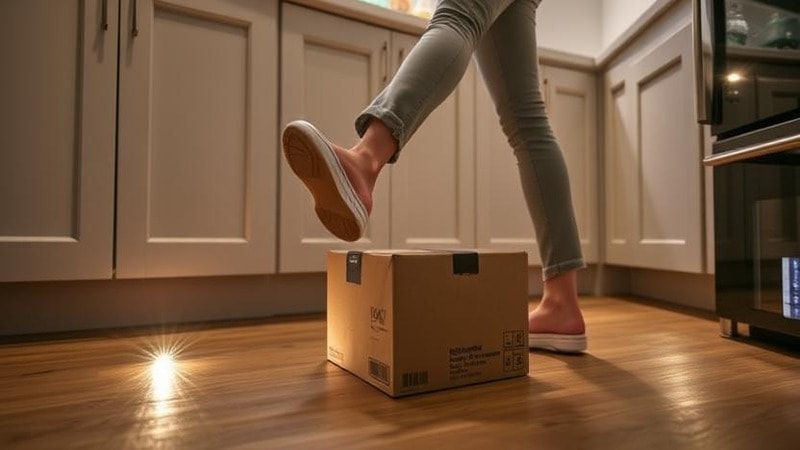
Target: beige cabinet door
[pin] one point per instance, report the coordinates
(654, 176)
(433, 183)
(571, 100)
(58, 90)
(197, 138)
(502, 217)
(331, 68)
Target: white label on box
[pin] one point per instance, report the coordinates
(468, 362)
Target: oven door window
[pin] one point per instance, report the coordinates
(760, 76)
(773, 208)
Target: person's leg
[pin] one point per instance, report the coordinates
(342, 180)
(427, 76)
(507, 59)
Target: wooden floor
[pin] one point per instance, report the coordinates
(653, 378)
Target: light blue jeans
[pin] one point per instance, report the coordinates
(501, 35)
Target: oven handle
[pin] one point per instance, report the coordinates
(754, 151)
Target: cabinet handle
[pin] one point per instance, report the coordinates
(385, 56)
(546, 93)
(135, 30)
(401, 56)
(105, 15)
(703, 48)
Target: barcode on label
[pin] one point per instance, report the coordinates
(379, 371)
(414, 379)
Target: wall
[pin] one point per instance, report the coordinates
(572, 26)
(617, 16)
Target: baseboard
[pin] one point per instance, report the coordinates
(59, 306)
(686, 289)
(51, 307)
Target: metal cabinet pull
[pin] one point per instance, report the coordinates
(546, 93)
(401, 56)
(105, 15)
(703, 50)
(135, 30)
(385, 56)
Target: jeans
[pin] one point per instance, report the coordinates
(501, 35)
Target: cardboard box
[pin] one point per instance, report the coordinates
(411, 321)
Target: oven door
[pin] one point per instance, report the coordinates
(748, 64)
(757, 233)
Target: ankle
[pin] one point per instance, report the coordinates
(377, 146)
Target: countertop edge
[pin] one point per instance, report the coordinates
(405, 23)
(397, 21)
(560, 58)
(367, 13)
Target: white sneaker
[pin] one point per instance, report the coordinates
(312, 159)
(562, 343)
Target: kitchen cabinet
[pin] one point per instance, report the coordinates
(433, 183)
(503, 220)
(653, 176)
(571, 101)
(197, 138)
(332, 68)
(195, 126)
(57, 139)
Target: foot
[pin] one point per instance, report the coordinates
(558, 312)
(364, 162)
(557, 317)
(356, 166)
(557, 326)
(319, 166)
(557, 322)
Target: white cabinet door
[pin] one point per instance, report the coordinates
(197, 138)
(654, 186)
(571, 100)
(58, 90)
(503, 219)
(331, 68)
(433, 183)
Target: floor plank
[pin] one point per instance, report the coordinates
(654, 377)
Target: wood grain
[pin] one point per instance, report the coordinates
(653, 378)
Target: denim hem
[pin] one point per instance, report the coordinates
(389, 119)
(566, 266)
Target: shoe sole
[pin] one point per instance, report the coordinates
(562, 343)
(313, 160)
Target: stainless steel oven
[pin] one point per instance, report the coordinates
(748, 90)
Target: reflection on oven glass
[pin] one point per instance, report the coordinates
(765, 24)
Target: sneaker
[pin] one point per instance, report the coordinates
(313, 160)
